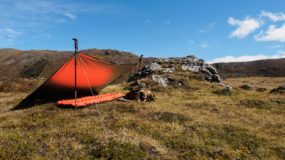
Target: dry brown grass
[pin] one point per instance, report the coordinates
(181, 124)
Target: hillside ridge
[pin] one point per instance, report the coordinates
(16, 63)
(264, 68)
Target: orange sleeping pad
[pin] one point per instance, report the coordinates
(85, 101)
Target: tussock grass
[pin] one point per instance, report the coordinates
(197, 121)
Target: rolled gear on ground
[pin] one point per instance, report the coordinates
(89, 100)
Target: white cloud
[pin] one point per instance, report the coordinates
(8, 36)
(204, 45)
(245, 27)
(280, 54)
(273, 16)
(12, 31)
(70, 15)
(272, 34)
(208, 28)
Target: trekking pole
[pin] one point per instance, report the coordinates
(139, 67)
(75, 54)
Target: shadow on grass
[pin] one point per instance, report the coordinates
(26, 104)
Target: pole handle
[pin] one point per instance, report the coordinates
(140, 58)
(75, 44)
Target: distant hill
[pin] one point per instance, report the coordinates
(43, 63)
(266, 68)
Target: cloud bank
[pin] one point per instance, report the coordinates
(280, 54)
(244, 27)
(273, 16)
(272, 34)
(249, 25)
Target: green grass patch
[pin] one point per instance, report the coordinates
(224, 92)
(15, 146)
(168, 117)
(114, 149)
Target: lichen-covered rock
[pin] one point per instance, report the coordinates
(154, 66)
(212, 69)
(168, 70)
(191, 68)
(190, 63)
(225, 85)
(162, 81)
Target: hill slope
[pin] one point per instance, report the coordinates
(267, 68)
(43, 63)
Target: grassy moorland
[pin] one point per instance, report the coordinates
(202, 121)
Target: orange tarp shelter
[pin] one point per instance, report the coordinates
(81, 75)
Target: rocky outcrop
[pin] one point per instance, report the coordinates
(280, 89)
(155, 71)
(246, 87)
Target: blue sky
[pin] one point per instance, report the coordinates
(217, 31)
